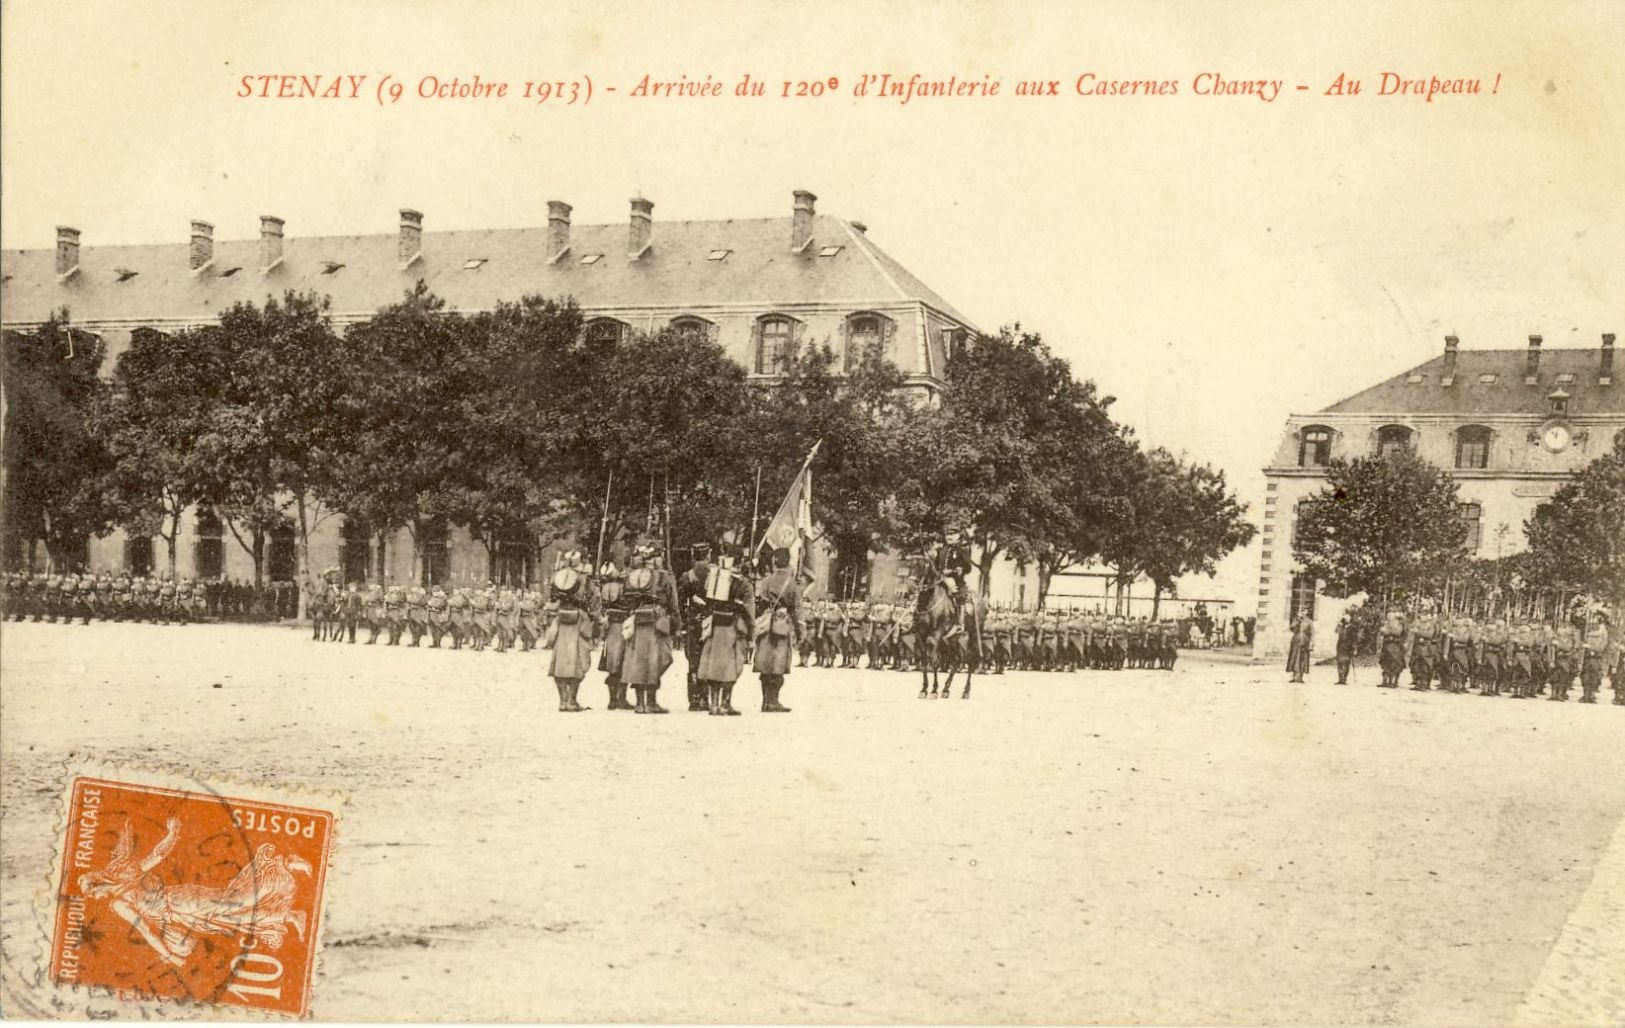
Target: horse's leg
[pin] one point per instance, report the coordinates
(925, 678)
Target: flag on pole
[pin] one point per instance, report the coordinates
(792, 526)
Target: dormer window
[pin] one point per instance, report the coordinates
(591, 258)
(1565, 379)
(866, 332)
(605, 332)
(1559, 400)
(692, 329)
(475, 263)
(718, 255)
(1416, 379)
(1315, 447)
(830, 251)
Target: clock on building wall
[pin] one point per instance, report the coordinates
(1556, 435)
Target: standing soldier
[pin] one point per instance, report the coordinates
(857, 632)
(1566, 650)
(1523, 642)
(727, 631)
(459, 617)
(572, 631)
(507, 617)
(1492, 656)
(1422, 648)
(395, 611)
(778, 623)
(1348, 636)
(881, 623)
(530, 609)
(482, 624)
(355, 607)
(1540, 657)
(1003, 653)
(1392, 653)
(439, 616)
(373, 611)
(691, 596)
(1592, 661)
(1302, 647)
(417, 612)
(652, 595)
(1456, 668)
(612, 588)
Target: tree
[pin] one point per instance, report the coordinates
(55, 463)
(1197, 522)
(165, 395)
(1577, 538)
(1381, 524)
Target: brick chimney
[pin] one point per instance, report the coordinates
(67, 251)
(558, 229)
(270, 241)
(641, 229)
(202, 252)
(1606, 373)
(1531, 373)
(801, 221)
(410, 247)
(1451, 345)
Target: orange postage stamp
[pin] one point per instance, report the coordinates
(171, 894)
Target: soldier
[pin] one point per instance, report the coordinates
(882, 620)
(1301, 649)
(394, 612)
(373, 611)
(1456, 667)
(1493, 642)
(1347, 639)
(651, 593)
(615, 608)
(778, 623)
(507, 617)
(1522, 662)
(1170, 644)
(526, 619)
(417, 612)
(1392, 651)
(437, 616)
(727, 631)
(462, 617)
(353, 607)
(1422, 648)
(571, 635)
(482, 615)
(691, 594)
(183, 600)
(1002, 651)
(834, 632)
(1596, 646)
(1565, 664)
(1541, 656)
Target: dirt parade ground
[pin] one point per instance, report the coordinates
(1211, 845)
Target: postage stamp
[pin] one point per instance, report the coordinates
(172, 894)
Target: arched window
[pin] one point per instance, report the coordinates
(209, 554)
(1473, 447)
(1315, 447)
(690, 327)
(775, 342)
(1393, 440)
(605, 332)
(353, 549)
(866, 332)
(436, 557)
(1472, 515)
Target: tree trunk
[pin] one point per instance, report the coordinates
(984, 568)
(1156, 600)
(1045, 574)
(259, 556)
(301, 556)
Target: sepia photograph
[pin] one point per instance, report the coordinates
(1025, 499)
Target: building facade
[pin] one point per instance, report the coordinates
(1510, 425)
(756, 287)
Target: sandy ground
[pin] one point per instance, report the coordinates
(1208, 846)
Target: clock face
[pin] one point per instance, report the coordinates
(1555, 437)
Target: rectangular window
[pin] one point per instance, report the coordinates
(1303, 597)
(1472, 514)
(138, 555)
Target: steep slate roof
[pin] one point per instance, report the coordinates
(1506, 395)
(761, 270)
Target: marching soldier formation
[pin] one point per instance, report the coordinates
(1517, 657)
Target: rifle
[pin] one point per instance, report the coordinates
(665, 525)
(603, 524)
(755, 511)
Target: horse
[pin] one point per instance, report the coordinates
(935, 615)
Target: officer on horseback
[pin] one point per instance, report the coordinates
(954, 563)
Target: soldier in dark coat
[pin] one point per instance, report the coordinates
(394, 612)
(1595, 646)
(778, 624)
(1301, 650)
(1391, 655)
(417, 612)
(615, 608)
(1347, 638)
(691, 597)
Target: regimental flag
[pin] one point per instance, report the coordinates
(792, 526)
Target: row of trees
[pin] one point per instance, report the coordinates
(1391, 527)
(513, 420)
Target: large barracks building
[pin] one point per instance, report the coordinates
(1510, 425)
(755, 286)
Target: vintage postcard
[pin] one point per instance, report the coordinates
(891, 512)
